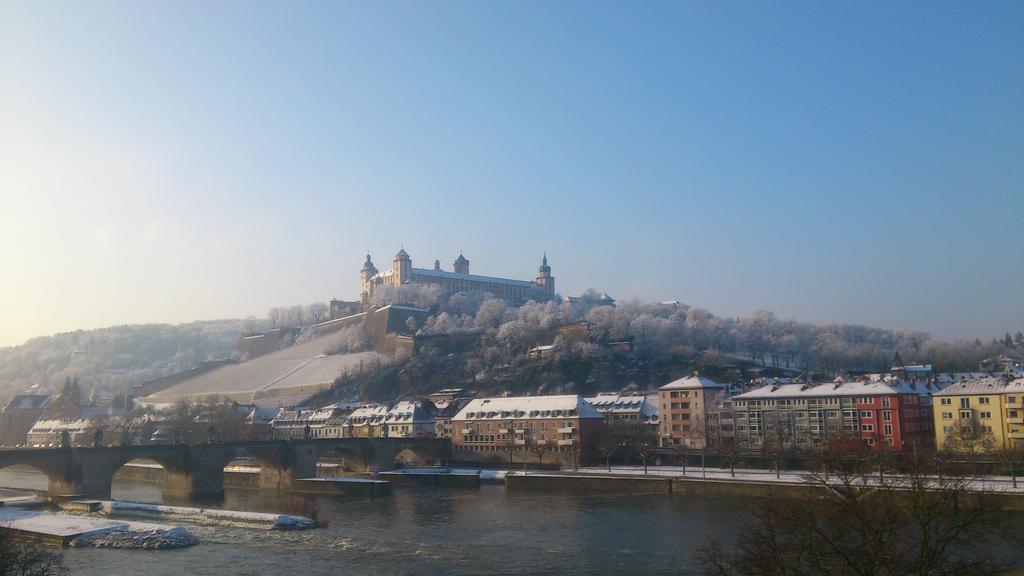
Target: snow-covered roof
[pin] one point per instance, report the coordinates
(952, 377)
(29, 402)
(403, 307)
(368, 413)
(430, 273)
(914, 368)
(319, 416)
(58, 424)
(617, 403)
(409, 411)
(528, 407)
(986, 385)
(692, 382)
(840, 388)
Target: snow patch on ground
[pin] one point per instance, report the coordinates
(86, 531)
(763, 476)
(209, 516)
(486, 475)
(160, 538)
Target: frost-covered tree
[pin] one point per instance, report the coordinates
(316, 312)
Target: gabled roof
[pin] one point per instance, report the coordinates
(528, 407)
(692, 382)
(410, 411)
(986, 385)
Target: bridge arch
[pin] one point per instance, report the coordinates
(29, 476)
(346, 459)
(417, 456)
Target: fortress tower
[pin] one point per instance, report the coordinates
(461, 265)
(403, 267)
(365, 280)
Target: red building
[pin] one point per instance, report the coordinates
(887, 414)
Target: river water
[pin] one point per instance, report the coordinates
(435, 531)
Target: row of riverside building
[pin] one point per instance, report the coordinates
(884, 412)
(967, 413)
(975, 412)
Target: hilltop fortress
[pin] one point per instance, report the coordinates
(459, 280)
(285, 366)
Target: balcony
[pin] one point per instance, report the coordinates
(520, 441)
(1016, 435)
(567, 430)
(541, 442)
(1017, 420)
(565, 442)
(502, 430)
(467, 430)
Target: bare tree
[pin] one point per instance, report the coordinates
(317, 312)
(1012, 458)
(907, 525)
(643, 442)
(609, 444)
(970, 438)
(728, 455)
(25, 559)
(540, 450)
(276, 316)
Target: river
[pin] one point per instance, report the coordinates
(434, 531)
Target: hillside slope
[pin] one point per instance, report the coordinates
(110, 360)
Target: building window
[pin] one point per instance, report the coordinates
(983, 400)
(985, 415)
(885, 402)
(865, 414)
(947, 401)
(887, 415)
(887, 429)
(867, 428)
(965, 402)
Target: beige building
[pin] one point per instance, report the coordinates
(457, 280)
(559, 423)
(19, 415)
(686, 406)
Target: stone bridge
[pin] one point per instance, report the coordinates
(197, 470)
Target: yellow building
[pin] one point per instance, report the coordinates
(1013, 406)
(979, 415)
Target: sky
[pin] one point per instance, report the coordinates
(857, 162)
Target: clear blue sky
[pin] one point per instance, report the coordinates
(849, 162)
